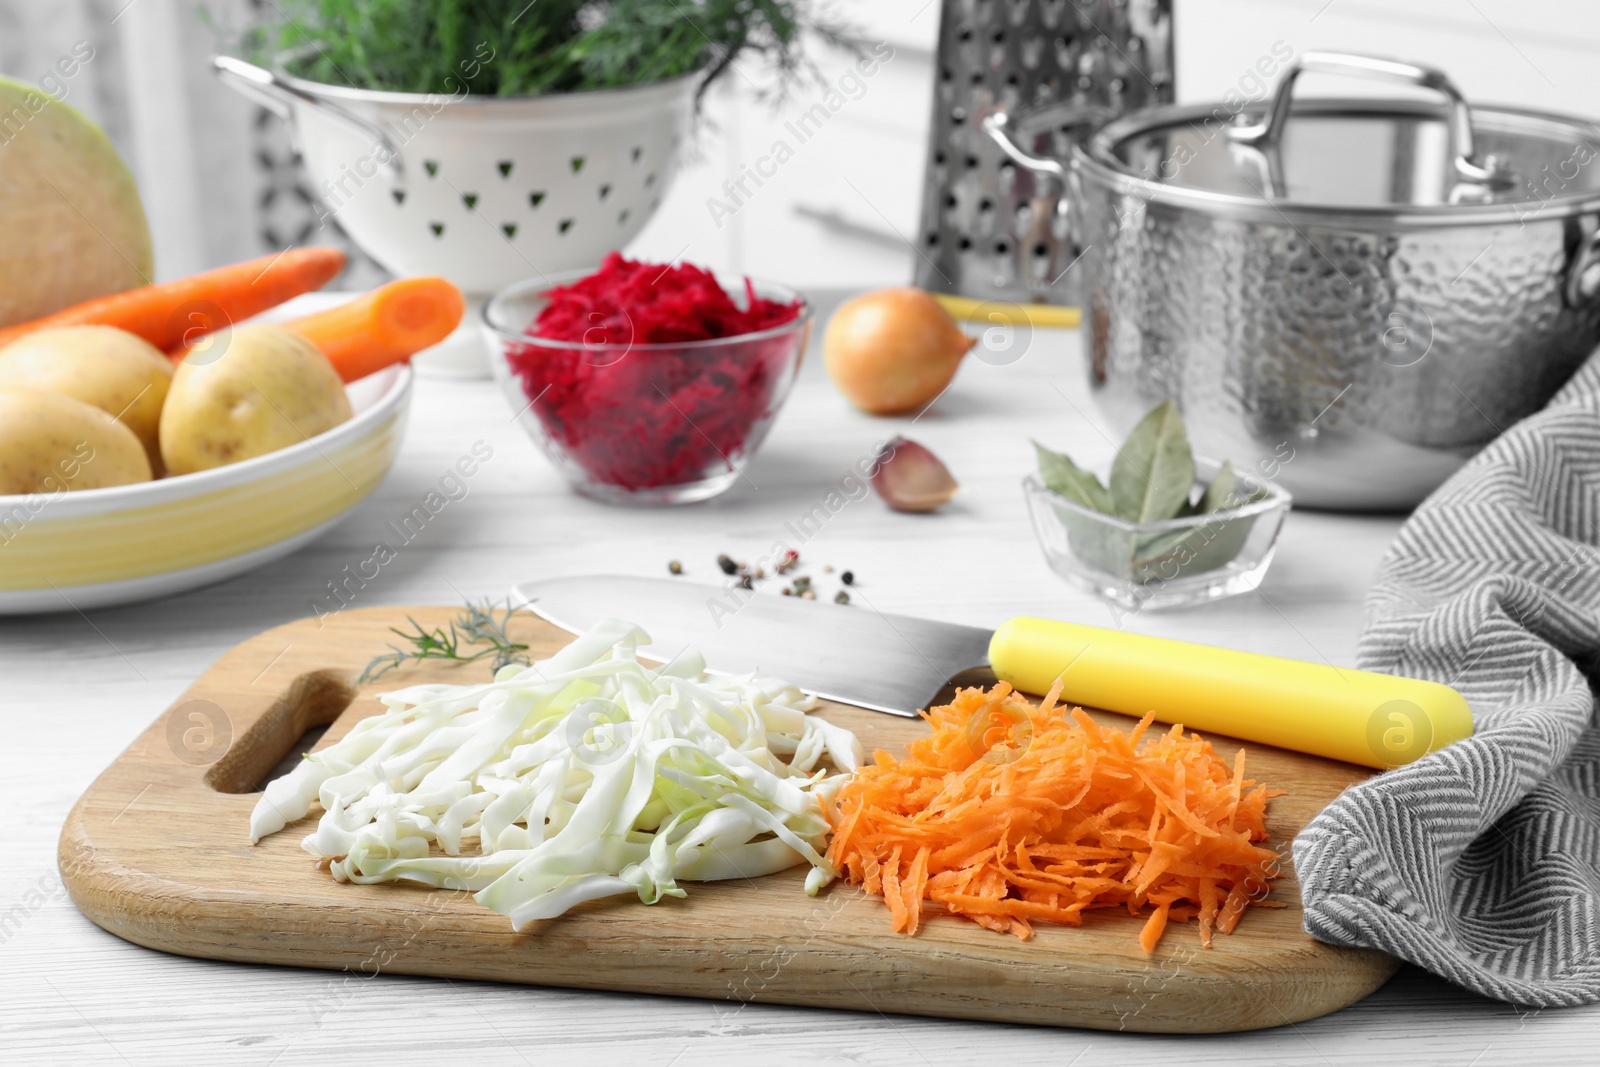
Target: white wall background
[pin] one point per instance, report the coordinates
(839, 213)
(1536, 53)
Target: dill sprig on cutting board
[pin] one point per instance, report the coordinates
(514, 47)
(475, 625)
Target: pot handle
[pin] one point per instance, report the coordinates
(1469, 168)
(998, 125)
(272, 92)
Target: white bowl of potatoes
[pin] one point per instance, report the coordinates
(122, 479)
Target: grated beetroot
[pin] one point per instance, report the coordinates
(646, 418)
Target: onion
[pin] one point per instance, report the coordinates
(893, 351)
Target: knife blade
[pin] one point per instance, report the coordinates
(891, 663)
(899, 664)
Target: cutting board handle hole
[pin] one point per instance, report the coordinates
(292, 758)
(275, 741)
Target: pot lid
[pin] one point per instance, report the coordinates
(1367, 155)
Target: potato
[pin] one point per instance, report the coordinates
(50, 442)
(268, 389)
(115, 371)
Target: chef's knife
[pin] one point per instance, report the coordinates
(899, 664)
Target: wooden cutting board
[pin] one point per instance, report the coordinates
(157, 852)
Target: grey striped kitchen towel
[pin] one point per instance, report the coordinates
(1481, 862)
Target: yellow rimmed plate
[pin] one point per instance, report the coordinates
(97, 547)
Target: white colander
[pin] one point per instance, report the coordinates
(485, 191)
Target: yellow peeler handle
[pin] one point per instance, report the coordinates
(1377, 720)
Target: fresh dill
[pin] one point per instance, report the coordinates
(514, 47)
(475, 625)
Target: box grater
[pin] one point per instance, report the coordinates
(990, 229)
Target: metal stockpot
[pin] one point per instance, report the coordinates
(1350, 296)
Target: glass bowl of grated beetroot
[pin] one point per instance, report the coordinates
(647, 383)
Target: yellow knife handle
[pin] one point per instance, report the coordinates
(1377, 720)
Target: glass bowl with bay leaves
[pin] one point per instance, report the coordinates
(1169, 530)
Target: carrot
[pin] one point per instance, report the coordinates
(389, 324)
(1052, 816)
(173, 313)
(1153, 928)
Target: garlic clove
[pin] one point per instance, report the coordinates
(910, 478)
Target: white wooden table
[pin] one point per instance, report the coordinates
(75, 690)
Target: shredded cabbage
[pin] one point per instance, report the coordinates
(585, 775)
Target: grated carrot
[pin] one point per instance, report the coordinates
(1009, 813)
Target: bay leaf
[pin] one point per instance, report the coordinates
(1222, 548)
(1177, 554)
(1206, 546)
(1154, 472)
(1223, 492)
(1063, 476)
(1108, 549)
